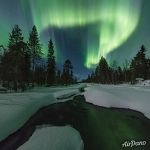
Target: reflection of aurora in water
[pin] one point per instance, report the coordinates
(115, 21)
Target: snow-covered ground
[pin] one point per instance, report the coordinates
(54, 138)
(16, 108)
(122, 96)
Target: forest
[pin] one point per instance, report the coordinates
(136, 69)
(23, 66)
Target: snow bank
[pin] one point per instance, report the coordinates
(54, 138)
(121, 96)
(144, 83)
(16, 108)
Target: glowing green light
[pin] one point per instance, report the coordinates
(92, 59)
(117, 20)
(115, 30)
(64, 13)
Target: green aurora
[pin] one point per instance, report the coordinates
(82, 30)
(117, 20)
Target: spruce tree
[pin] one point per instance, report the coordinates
(103, 71)
(26, 65)
(35, 50)
(138, 65)
(15, 55)
(67, 75)
(15, 36)
(114, 72)
(51, 67)
(40, 75)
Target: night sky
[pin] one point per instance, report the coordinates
(82, 30)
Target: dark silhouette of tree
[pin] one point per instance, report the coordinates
(92, 77)
(40, 72)
(15, 36)
(138, 65)
(51, 67)
(21, 63)
(15, 54)
(96, 75)
(67, 75)
(102, 72)
(120, 77)
(138, 68)
(35, 50)
(15, 61)
(26, 66)
(114, 72)
(126, 71)
(148, 68)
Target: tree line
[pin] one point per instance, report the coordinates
(139, 67)
(22, 66)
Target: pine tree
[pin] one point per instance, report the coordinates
(88, 79)
(103, 71)
(15, 55)
(114, 72)
(138, 65)
(67, 75)
(26, 65)
(40, 75)
(35, 50)
(126, 71)
(92, 76)
(119, 75)
(16, 61)
(15, 36)
(51, 68)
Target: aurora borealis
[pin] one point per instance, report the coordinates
(82, 30)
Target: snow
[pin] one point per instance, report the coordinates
(54, 138)
(144, 83)
(121, 96)
(16, 108)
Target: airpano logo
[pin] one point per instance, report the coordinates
(133, 143)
